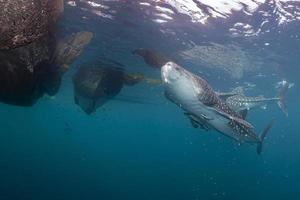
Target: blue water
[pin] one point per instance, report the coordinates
(148, 150)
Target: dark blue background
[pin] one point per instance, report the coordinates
(145, 151)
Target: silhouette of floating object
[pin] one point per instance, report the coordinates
(94, 86)
(151, 57)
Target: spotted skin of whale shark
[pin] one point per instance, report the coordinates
(202, 104)
(239, 102)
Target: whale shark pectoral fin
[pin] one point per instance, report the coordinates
(194, 123)
(243, 122)
(262, 137)
(197, 122)
(238, 120)
(196, 118)
(205, 117)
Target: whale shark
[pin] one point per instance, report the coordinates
(205, 108)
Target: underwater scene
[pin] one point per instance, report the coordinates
(149, 99)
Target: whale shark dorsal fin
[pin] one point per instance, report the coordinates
(205, 117)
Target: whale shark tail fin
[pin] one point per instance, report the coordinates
(262, 136)
(281, 95)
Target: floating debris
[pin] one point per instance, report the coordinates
(94, 86)
(25, 21)
(68, 49)
(152, 57)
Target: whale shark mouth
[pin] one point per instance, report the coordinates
(170, 72)
(164, 74)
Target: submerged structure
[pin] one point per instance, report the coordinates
(30, 62)
(94, 85)
(25, 21)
